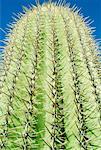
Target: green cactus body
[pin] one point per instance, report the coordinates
(50, 83)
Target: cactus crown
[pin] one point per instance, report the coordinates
(50, 82)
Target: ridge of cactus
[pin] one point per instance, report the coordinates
(50, 81)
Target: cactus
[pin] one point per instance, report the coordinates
(50, 82)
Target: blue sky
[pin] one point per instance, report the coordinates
(90, 8)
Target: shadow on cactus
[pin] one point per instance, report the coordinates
(50, 82)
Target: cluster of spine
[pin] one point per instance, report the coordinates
(50, 83)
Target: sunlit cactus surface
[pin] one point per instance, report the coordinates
(50, 82)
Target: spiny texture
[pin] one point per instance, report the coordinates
(50, 83)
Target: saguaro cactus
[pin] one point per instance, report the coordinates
(50, 83)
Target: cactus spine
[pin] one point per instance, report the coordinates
(50, 83)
